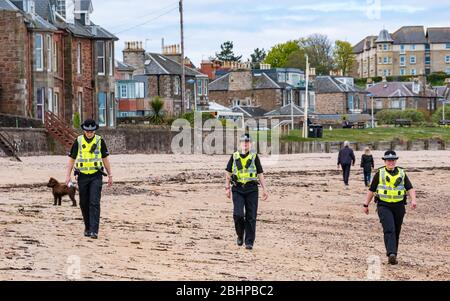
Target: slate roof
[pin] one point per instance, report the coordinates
(220, 84)
(249, 111)
(285, 111)
(7, 5)
(121, 66)
(397, 89)
(438, 35)
(263, 81)
(410, 35)
(158, 64)
(328, 84)
(384, 37)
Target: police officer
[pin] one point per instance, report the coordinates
(390, 186)
(243, 172)
(90, 156)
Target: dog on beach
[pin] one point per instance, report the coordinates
(59, 190)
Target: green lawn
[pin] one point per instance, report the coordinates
(377, 134)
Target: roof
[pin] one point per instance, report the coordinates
(438, 35)
(359, 48)
(263, 81)
(410, 35)
(99, 32)
(285, 111)
(397, 89)
(250, 111)
(43, 9)
(7, 5)
(384, 37)
(158, 64)
(214, 106)
(220, 84)
(328, 84)
(121, 66)
(86, 5)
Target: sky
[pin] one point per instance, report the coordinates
(254, 24)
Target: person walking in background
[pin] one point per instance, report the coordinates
(368, 165)
(346, 159)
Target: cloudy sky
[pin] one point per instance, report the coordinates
(254, 24)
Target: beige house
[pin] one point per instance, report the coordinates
(408, 51)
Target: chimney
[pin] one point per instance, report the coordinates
(134, 55)
(173, 52)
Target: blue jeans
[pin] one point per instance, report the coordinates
(367, 174)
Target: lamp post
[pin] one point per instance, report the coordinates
(193, 81)
(305, 117)
(371, 98)
(289, 90)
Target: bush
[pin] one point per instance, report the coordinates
(389, 116)
(76, 121)
(157, 105)
(437, 116)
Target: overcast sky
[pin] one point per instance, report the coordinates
(254, 24)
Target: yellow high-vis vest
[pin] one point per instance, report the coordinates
(245, 168)
(391, 189)
(89, 160)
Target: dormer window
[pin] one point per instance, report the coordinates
(85, 19)
(29, 6)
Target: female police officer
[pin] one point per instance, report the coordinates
(243, 171)
(89, 155)
(390, 186)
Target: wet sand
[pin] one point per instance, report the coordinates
(167, 218)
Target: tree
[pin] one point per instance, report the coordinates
(258, 57)
(278, 54)
(319, 49)
(296, 59)
(157, 116)
(343, 56)
(227, 54)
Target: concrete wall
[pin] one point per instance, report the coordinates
(36, 142)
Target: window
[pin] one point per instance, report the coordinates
(412, 59)
(49, 53)
(447, 70)
(50, 100)
(386, 60)
(379, 60)
(111, 110)
(39, 53)
(447, 46)
(378, 104)
(55, 57)
(101, 58)
(56, 103)
(447, 59)
(111, 57)
(102, 109)
(413, 72)
(413, 47)
(80, 105)
(402, 49)
(350, 102)
(139, 90)
(428, 60)
(79, 58)
(385, 47)
(205, 87)
(402, 72)
(123, 91)
(199, 87)
(402, 60)
(40, 103)
(176, 86)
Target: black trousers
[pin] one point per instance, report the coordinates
(346, 172)
(245, 210)
(367, 174)
(90, 187)
(391, 218)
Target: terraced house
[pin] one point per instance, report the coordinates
(411, 50)
(53, 58)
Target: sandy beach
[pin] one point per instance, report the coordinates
(167, 218)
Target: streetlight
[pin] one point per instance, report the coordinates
(371, 97)
(289, 90)
(305, 117)
(193, 81)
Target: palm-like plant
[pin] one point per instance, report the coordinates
(157, 116)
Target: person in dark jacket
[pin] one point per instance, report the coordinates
(368, 165)
(346, 159)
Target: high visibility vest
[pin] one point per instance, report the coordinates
(88, 161)
(245, 168)
(391, 189)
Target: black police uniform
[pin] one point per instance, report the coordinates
(391, 214)
(90, 189)
(245, 197)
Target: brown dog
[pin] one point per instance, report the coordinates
(60, 190)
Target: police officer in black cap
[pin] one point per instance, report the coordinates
(243, 172)
(89, 155)
(390, 186)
